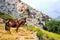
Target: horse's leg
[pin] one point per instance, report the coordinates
(17, 26)
(7, 28)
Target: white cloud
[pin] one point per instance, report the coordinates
(47, 6)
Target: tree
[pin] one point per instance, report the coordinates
(53, 26)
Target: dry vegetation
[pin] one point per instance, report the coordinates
(23, 34)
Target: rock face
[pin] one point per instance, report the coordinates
(19, 9)
(9, 6)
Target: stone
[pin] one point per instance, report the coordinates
(1, 20)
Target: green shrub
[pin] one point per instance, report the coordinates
(53, 26)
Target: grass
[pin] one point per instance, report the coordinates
(5, 35)
(23, 34)
(45, 35)
(42, 34)
(6, 16)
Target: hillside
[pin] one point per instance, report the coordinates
(44, 35)
(26, 33)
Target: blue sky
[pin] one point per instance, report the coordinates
(48, 7)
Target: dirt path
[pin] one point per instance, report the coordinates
(23, 34)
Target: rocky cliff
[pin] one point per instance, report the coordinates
(18, 9)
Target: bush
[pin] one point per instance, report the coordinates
(53, 26)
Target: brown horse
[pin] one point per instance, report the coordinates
(14, 23)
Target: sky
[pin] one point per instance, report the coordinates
(48, 7)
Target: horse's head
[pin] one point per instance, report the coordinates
(23, 20)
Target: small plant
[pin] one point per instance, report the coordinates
(6, 16)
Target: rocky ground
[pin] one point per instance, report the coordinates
(23, 34)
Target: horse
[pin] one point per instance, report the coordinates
(14, 23)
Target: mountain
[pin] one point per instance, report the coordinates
(58, 18)
(18, 9)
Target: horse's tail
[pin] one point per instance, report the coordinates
(7, 28)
